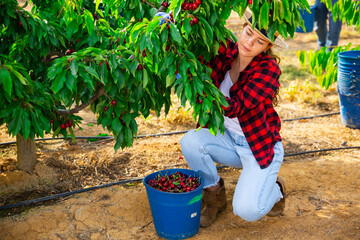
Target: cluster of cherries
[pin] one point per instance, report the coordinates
(175, 183)
(70, 51)
(67, 124)
(191, 6)
(113, 102)
(165, 4)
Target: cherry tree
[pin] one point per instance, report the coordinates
(118, 57)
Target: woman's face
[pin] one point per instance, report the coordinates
(251, 43)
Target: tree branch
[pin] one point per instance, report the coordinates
(50, 56)
(78, 108)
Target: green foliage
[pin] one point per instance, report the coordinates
(117, 59)
(281, 16)
(324, 64)
(348, 11)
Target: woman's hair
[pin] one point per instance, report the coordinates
(269, 52)
(272, 55)
(277, 59)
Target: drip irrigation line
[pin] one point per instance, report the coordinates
(315, 116)
(321, 150)
(156, 134)
(65, 194)
(101, 137)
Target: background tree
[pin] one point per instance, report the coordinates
(69, 54)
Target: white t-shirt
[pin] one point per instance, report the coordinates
(231, 124)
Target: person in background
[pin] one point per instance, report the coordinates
(328, 37)
(247, 73)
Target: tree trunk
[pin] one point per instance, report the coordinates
(26, 153)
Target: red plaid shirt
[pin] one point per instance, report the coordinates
(251, 99)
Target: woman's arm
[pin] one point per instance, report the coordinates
(260, 86)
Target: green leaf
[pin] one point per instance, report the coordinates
(133, 126)
(128, 136)
(89, 20)
(91, 71)
(72, 134)
(175, 34)
(19, 76)
(18, 122)
(145, 78)
(116, 125)
(208, 28)
(186, 28)
(59, 81)
(264, 15)
(170, 80)
(126, 118)
(119, 141)
(203, 118)
(74, 66)
(5, 79)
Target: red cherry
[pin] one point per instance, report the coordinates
(181, 157)
(140, 67)
(71, 123)
(113, 102)
(20, 24)
(194, 6)
(191, 22)
(100, 64)
(167, 48)
(77, 40)
(68, 52)
(195, 20)
(187, 6)
(62, 126)
(52, 121)
(198, 2)
(70, 60)
(105, 109)
(250, 2)
(144, 53)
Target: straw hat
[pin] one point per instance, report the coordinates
(279, 41)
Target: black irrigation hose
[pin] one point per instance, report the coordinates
(100, 137)
(65, 194)
(160, 134)
(302, 118)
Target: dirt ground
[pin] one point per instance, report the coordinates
(323, 188)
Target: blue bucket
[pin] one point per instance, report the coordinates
(308, 20)
(175, 215)
(348, 87)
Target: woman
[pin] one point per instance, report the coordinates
(247, 75)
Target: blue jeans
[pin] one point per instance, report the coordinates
(256, 191)
(326, 36)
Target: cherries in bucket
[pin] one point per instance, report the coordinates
(174, 183)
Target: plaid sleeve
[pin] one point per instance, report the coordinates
(222, 62)
(261, 85)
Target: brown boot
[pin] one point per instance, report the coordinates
(279, 207)
(214, 203)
